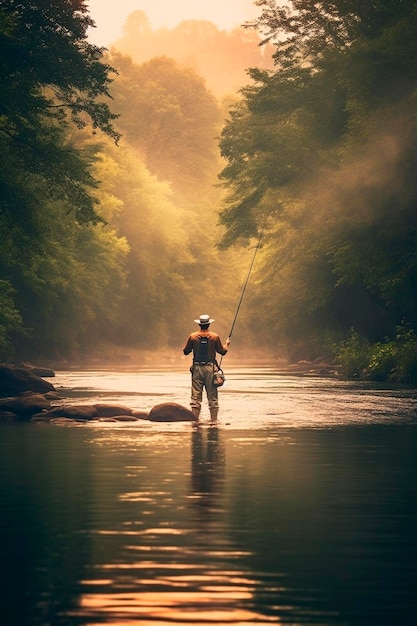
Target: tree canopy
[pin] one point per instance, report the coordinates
(169, 115)
(321, 154)
(51, 78)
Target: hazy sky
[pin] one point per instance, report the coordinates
(110, 15)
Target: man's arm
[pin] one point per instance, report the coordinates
(188, 346)
(220, 348)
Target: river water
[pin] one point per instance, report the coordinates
(298, 507)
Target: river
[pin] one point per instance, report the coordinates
(298, 507)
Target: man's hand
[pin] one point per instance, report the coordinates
(228, 342)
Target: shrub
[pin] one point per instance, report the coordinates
(405, 369)
(382, 361)
(353, 355)
(393, 360)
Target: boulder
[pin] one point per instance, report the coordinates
(25, 405)
(15, 380)
(171, 412)
(44, 372)
(110, 410)
(53, 395)
(80, 411)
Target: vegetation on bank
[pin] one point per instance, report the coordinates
(389, 360)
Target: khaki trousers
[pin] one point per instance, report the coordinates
(202, 377)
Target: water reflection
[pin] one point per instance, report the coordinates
(207, 474)
(175, 561)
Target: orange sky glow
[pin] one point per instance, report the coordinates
(110, 15)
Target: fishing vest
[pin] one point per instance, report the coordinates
(202, 352)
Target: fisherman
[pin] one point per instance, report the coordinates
(205, 345)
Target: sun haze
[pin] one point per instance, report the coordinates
(110, 16)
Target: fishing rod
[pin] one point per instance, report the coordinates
(258, 245)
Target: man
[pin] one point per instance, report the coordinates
(205, 345)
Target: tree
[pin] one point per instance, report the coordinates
(10, 319)
(145, 215)
(168, 114)
(70, 288)
(321, 152)
(52, 83)
(51, 78)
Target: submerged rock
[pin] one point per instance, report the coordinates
(8, 416)
(125, 418)
(67, 421)
(115, 418)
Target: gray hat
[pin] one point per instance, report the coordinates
(204, 319)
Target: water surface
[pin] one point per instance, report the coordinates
(299, 507)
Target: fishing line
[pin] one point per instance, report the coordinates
(258, 245)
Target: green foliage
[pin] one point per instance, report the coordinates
(382, 361)
(10, 319)
(153, 227)
(353, 355)
(167, 113)
(60, 277)
(405, 367)
(173, 266)
(394, 360)
(321, 153)
(49, 68)
(51, 80)
(68, 283)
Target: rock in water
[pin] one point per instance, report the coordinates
(110, 410)
(26, 404)
(76, 411)
(171, 412)
(15, 380)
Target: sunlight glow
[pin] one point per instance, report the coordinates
(111, 16)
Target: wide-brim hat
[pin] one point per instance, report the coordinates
(204, 319)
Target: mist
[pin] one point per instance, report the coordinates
(221, 57)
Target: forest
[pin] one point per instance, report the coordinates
(135, 186)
